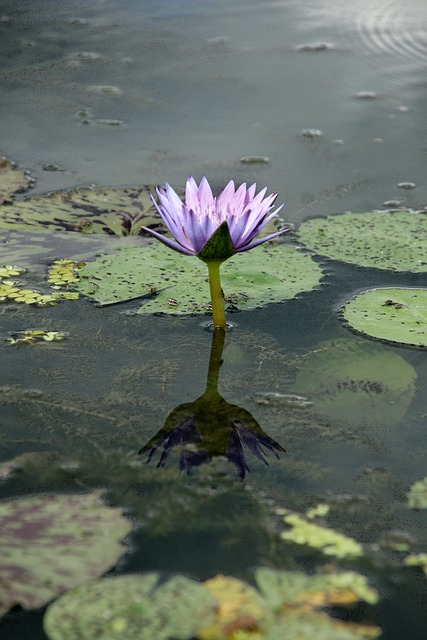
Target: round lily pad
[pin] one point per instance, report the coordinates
(177, 284)
(115, 211)
(357, 382)
(49, 544)
(131, 606)
(396, 315)
(394, 240)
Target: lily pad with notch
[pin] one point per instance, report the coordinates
(177, 284)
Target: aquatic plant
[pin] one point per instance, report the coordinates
(215, 228)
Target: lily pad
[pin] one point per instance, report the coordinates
(132, 606)
(11, 180)
(115, 211)
(50, 544)
(357, 382)
(394, 240)
(296, 600)
(177, 284)
(395, 315)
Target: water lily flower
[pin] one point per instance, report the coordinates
(215, 228)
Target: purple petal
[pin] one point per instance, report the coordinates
(191, 194)
(247, 247)
(169, 243)
(206, 198)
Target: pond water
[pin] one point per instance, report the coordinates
(323, 102)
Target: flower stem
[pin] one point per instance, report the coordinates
(217, 298)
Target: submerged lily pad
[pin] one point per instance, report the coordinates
(115, 211)
(178, 284)
(395, 240)
(49, 544)
(396, 315)
(11, 180)
(357, 382)
(132, 606)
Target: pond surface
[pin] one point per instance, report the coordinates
(323, 102)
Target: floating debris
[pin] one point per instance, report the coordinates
(311, 134)
(105, 88)
(366, 95)
(254, 160)
(417, 496)
(32, 336)
(392, 204)
(292, 400)
(316, 46)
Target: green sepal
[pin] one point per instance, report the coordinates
(219, 245)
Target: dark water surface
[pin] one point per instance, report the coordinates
(125, 92)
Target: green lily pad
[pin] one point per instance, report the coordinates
(178, 284)
(115, 211)
(395, 240)
(396, 315)
(11, 180)
(357, 382)
(49, 544)
(132, 606)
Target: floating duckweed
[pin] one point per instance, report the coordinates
(64, 273)
(417, 496)
(326, 540)
(319, 511)
(8, 270)
(36, 335)
(417, 560)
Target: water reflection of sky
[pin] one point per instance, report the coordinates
(202, 85)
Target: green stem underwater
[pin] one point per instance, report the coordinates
(217, 298)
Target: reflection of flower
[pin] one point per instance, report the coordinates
(210, 427)
(194, 222)
(214, 229)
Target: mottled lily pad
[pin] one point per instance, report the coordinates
(11, 180)
(133, 607)
(115, 211)
(394, 240)
(138, 607)
(357, 382)
(296, 600)
(177, 284)
(395, 315)
(240, 608)
(49, 544)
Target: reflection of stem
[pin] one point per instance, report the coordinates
(215, 360)
(216, 293)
